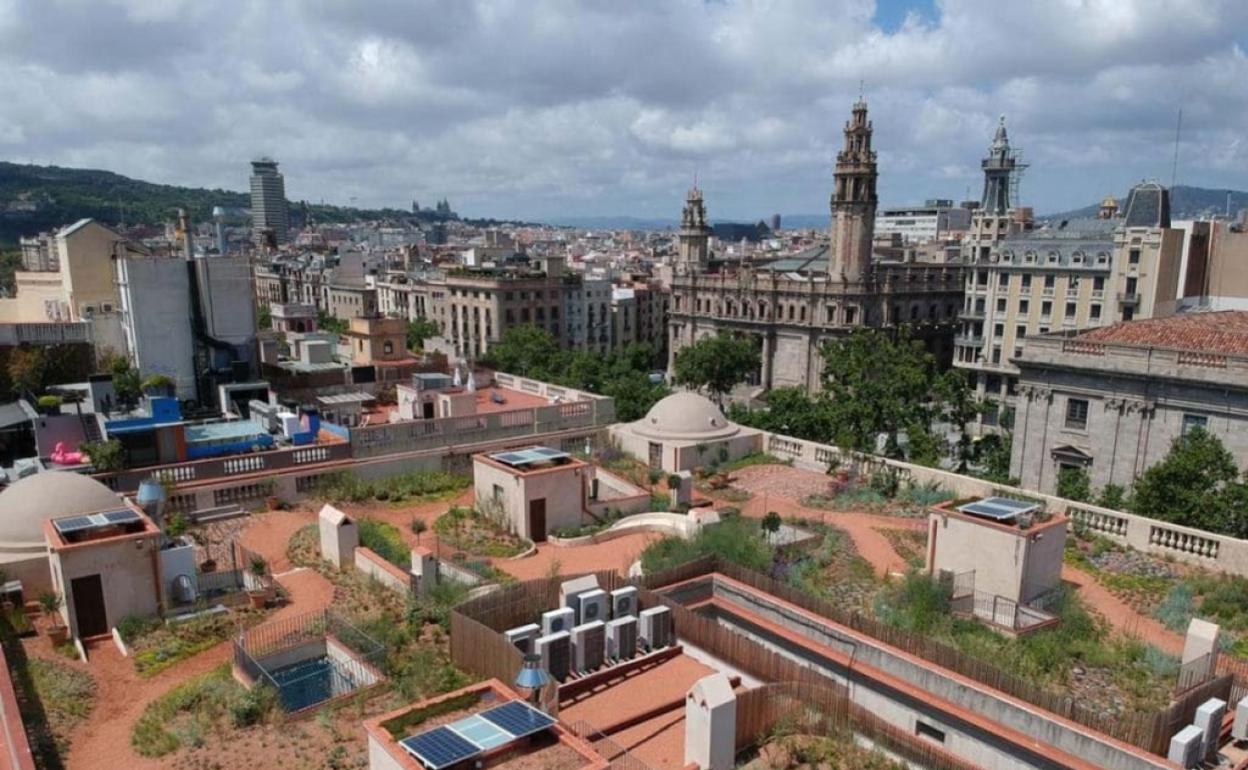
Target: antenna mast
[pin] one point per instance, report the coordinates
(1178, 131)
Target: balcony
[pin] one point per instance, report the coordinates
(969, 341)
(1125, 298)
(968, 314)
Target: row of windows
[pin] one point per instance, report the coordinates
(1077, 417)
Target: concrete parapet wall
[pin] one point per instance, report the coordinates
(390, 575)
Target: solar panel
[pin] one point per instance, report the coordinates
(73, 524)
(518, 718)
(122, 517)
(438, 748)
(997, 508)
(482, 732)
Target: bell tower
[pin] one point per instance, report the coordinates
(693, 240)
(854, 200)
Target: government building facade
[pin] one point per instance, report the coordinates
(795, 304)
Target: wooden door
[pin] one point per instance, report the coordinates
(537, 520)
(89, 608)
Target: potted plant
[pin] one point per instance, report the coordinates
(270, 490)
(259, 595)
(50, 604)
(49, 404)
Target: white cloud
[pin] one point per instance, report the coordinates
(539, 108)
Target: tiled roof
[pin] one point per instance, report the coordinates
(1224, 332)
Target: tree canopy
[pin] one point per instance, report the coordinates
(875, 383)
(420, 330)
(531, 351)
(717, 364)
(1197, 485)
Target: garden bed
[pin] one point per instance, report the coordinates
(476, 533)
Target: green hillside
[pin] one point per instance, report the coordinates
(37, 198)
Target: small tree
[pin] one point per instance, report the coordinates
(771, 523)
(1113, 496)
(717, 364)
(158, 384)
(1196, 485)
(418, 528)
(1074, 484)
(50, 603)
(259, 567)
(105, 455)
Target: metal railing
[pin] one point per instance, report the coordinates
(617, 756)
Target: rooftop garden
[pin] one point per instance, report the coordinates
(1081, 655)
(479, 531)
(415, 486)
(1165, 589)
(882, 492)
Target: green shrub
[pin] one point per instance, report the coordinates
(348, 487)
(927, 495)
(1178, 608)
(386, 541)
(253, 706)
(737, 540)
(181, 716)
(131, 627)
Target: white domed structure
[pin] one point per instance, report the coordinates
(684, 431)
(26, 505)
(688, 416)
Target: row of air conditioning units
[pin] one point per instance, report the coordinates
(566, 648)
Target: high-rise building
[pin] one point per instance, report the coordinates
(270, 219)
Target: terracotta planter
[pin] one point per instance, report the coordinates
(58, 635)
(258, 599)
(274, 502)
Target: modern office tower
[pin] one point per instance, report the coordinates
(270, 220)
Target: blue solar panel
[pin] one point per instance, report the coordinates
(121, 517)
(518, 718)
(485, 734)
(439, 748)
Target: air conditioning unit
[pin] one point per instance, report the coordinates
(623, 602)
(588, 645)
(591, 606)
(1239, 729)
(1187, 747)
(558, 620)
(654, 627)
(522, 637)
(556, 653)
(570, 589)
(622, 638)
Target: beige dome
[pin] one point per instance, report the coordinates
(685, 417)
(26, 505)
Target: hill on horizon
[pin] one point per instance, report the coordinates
(1186, 202)
(38, 198)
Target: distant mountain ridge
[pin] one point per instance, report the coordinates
(1185, 203)
(37, 198)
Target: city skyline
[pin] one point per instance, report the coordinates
(547, 111)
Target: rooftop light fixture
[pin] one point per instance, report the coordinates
(532, 677)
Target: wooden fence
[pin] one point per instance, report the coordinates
(1149, 731)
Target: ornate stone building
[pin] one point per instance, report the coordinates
(795, 304)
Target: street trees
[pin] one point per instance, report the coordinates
(717, 364)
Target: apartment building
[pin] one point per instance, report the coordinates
(1071, 275)
(481, 304)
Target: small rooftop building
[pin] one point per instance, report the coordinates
(536, 490)
(684, 431)
(1003, 556)
(27, 504)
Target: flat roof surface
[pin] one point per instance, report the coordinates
(222, 431)
(657, 741)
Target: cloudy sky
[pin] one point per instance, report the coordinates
(541, 109)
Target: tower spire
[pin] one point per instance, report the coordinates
(854, 199)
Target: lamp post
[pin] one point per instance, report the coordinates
(532, 677)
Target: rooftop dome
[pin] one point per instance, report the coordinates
(48, 495)
(685, 417)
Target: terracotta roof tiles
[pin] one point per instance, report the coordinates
(1224, 332)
